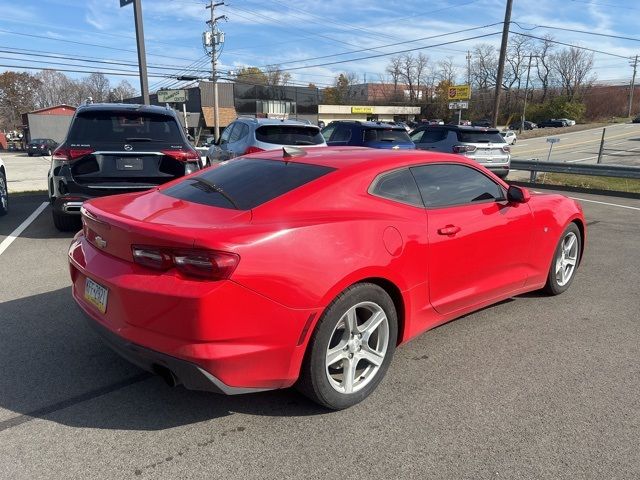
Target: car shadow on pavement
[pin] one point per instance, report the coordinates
(56, 368)
(20, 208)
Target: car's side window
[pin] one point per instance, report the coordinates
(236, 133)
(398, 185)
(342, 134)
(416, 136)
(327, 131)
(224, 138)
(443, 185)
(433, 136)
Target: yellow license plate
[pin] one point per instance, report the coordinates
(96, 295)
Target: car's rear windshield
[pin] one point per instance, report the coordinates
(289, 135)
(245, 183)
(480, 137)
(123, 127)
(391, 135)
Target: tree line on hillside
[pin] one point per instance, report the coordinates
(22, 92)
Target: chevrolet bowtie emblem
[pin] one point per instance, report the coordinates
(100, 242)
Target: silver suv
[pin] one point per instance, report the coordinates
(484, 145)
(251, 135)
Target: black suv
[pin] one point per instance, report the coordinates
(355, 133)
(116, 148)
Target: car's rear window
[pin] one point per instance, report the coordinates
(245, 183)
(123, 127)
(391, 135)
(289, 135)
(479, 137)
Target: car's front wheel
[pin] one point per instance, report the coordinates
(565, 261)
(351, 347)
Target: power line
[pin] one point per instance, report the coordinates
(124, 74)
(570, 45)
(392, 53)
(573, 30)
(391, 44)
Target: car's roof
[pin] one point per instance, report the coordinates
(368, 124)
(357, 158)
(462, 128)
(273, 121)
(124, 107)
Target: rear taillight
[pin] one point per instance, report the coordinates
(506, 149)
(64, 154)
(253, 149)
(463, 148)
(208, 264)
(182, 155)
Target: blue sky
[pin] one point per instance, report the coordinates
(286, 32)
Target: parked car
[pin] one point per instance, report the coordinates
(4, 190)
(250, 135)
(203, 148)
(568, 121)
(636, 119)
(482, 123)
(509, 136)
(267, 271)
(527, 125)
(355, 133)
(552, 124)
(436, 121)
(484, 145)
(41, 146)
(116, 148)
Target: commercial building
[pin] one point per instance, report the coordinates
(51, 122)
(382, 113)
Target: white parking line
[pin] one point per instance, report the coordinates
(21, 228)
(605, 203)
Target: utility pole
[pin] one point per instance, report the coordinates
(468, 67)
(526, 88)
(633, 84)
(142, 57)
(503, 54)
(212, 40)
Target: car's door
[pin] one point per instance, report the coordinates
(479, 243)
(236, 146)
(222, 149)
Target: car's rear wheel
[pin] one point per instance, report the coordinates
(351, 347)
(565, 261)
(66, 223)
(4, 195)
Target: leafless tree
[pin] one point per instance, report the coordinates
(121, 91)
(574, 67)
(544, 69)
(484, 66)
(394, 70)
(97, 87)
(447, 71)
(275, 76)
(517, 58)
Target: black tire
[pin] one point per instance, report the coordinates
(314, 377)
(4, 195)
(66, 223)
(555, 286)
(30, 154)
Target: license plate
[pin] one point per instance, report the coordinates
(96, 295)
(129, 163)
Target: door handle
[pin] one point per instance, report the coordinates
(449, 230)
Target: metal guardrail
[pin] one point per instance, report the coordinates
(598, 170)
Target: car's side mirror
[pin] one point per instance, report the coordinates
(517, 194)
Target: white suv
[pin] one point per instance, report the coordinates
(484, 145)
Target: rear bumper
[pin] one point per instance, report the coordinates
(214, 336)
(184, 373)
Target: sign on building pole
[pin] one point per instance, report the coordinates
(142, 57)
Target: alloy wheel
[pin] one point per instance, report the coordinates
(357, 347)
(567, 259)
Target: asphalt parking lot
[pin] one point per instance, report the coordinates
(534, 387)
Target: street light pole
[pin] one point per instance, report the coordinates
(633, 85)
(142, 57)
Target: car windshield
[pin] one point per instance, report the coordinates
(245, 183)
(480, 137)
(391, 135)
(289, 135)
(122, 127)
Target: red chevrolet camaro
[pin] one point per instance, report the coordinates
(310, 267)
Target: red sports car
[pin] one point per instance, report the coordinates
(310, 267)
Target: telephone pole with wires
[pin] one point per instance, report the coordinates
(634, 64)
(213, 41)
